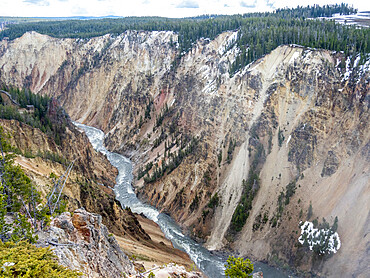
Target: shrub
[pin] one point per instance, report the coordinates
(238, 267)
(281, 137)
(214, 201)
(23, 259)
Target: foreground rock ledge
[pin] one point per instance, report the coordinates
(81, 242)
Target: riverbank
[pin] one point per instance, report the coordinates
(156, 253)
(209, 263)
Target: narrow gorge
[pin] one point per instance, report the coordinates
(237, 160)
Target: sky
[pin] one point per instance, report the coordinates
(165, 8)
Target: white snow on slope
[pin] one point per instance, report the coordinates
(313, 237)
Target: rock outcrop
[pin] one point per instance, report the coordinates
(291, 117)
(170, 271)
(82, 242)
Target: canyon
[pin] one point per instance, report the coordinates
(194, 132)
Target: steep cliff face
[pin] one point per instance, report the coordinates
(116, 74)
(319, 133)
(90, 182)
(82, 242)
(290, 119)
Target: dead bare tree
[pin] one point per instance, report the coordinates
(54, 197)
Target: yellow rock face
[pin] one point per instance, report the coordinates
(313, 129)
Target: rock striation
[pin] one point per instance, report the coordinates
(195, 131)
(91, 190)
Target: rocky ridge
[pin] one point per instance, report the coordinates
(81, 242)
(294, 108)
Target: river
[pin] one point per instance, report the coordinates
(212, 265)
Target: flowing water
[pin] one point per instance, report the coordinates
(212, 265)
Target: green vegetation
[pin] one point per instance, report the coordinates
(55, 157)
(205, 213)
(23, 259)
(148, 109)
(258, 36)
(162, 136)
(207, 176)
(238, 268)
(21, 208)
(269, 148)
(259, 33)
(241, 213)
(251, 185)
(19, 200)
(283, 201)
(230, 151)
(214, 201)
(281, 137)
(289, 191)
(22, 213)
(16, 189)
(316, 11)
(195, 203)
(309, 212)
(219, 158)
(37, 117)
(142, 172)
(174, 160)
(323, 240)
(259, 221)
(162, 115)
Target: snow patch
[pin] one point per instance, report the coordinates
(294, 57)
(352, 19)
(287, 142)
(327, 240)
(348, 72)
(356, 61)
(364, 68)
(338, 63)
(228, 43)
(360, 69)
(210, 88)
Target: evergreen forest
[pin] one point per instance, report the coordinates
(37, 117)
(258, 33)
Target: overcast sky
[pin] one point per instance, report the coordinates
(166, 8)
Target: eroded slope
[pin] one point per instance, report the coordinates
(193, 130)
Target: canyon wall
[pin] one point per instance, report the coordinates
(292, 124)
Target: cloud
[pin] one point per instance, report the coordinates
(270, 3)
(77, 10)
(188, 4)
(172, 8)
(37, 2)
(248, 5)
